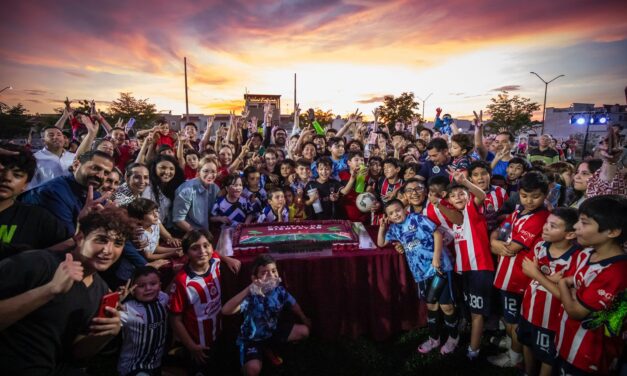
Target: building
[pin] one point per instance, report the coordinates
(561, 123)
(254, 104)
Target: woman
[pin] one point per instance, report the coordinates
(136, 181)
(112, 181)
(585, 170)
(165, 176)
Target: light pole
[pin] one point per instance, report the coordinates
(423, 105)
(546, 87)
(8, 87)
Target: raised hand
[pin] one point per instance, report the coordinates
(375, 114)
(91, 127)
(438, 111)
(92, 204)
(478, 118)
(68, 272)
(245, 113)
(210, 120)
(297, 109)
(458, 175)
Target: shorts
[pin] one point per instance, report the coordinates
(251, 350)
(511, 306)
(563, 368)
(477, 289)
(446, 297)
(540, 340)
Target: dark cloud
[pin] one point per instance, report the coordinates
(374, 99)
(507, 88)
(35, 92)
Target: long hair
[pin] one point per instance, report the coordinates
(157, 186)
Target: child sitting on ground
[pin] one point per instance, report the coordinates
(261, 304)
(422, 246)
(144, 318)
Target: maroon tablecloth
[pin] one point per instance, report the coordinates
(364, 293)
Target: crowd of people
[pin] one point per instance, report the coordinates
(488, 228)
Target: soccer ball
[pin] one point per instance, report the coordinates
(365, 201)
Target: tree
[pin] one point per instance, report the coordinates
(13, 120)
(397, 109)
(128, 106)
(324, 117)
(512, 113)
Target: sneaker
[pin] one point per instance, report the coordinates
(449, 346)
(472, 355)
(505, 343)
(502, 360)
(429, 345)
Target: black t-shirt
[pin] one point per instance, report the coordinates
(330, 209)
(24, 227)
(41, 342)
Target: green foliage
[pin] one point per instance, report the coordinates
(127, 106)
(397, 109)
(512, 113)
(13, 121)
(324, 118)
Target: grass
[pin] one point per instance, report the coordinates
(350, 357)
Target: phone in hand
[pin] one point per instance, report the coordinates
(109, 300)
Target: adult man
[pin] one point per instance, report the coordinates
(66, 196)
(280, 138)
(53, 160)
(118, 136)
(503, 146)
(48, 300)
(23, 226)
(439, 159)
(543, 152)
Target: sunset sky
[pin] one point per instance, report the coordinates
(347, 53)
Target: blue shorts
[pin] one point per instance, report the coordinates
(251, 350)
(540, 340)
(446, 297)
(477, 289)
(511, 306)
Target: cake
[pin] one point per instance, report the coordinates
(287, 237)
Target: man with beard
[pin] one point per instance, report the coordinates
(280, 138)
(53, 160)
(19, 222)
(49, 300)
(67, 196)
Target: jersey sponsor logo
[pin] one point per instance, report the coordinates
(605, 294)
(526, 235)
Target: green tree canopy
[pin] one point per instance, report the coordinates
(395, 109)
(127, 106)
(324, 117)
(512, 113)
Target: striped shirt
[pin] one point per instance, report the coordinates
(235, 211)
(472, 245)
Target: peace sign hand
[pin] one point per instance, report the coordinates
(458, 175)
(478, 118)
(92, 204)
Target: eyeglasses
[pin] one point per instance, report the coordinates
(414, 190)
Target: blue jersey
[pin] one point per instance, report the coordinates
(416, 236)
(235, 211)
(261, 314)
(338, 166)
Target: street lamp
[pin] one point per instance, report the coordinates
(546, 87)
(8, 87)
(423, 105)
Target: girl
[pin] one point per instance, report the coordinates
(232, 209)
(585, 170)
(112, 181)
(165, 176)
(309, 152)
(375, 170)
(271, 167)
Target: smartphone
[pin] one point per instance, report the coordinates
(109, 300)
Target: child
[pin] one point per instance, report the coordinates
(459, 149)
(599, 277)
(472, 254)
(232, 208)
(516, 168)
(387, 187)
(302, 176)
(526, 224)
(286, 169)
(409, 170)
(276, 210)
(261, 304)
(375, 170)
(147, 213)
(414, 195)
(191, 164)
(327, 191)
(163, 135)
(296, 206)
(541, 305)
(339, 159)
(349, 198)
(144, 325)
(422, 246)
(195, 299)
(495, 196)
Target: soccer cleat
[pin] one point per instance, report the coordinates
(428, 345)
(502, 360)
(449, 345)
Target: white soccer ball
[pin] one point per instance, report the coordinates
(365, 201)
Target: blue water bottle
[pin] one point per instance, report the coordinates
(504, 232)
(436, 287)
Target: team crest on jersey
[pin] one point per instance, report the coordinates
(489, 208)
(545, 269)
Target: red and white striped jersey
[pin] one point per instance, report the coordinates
(472, 245)
(539, 306)
(526, 231)
(596, 284)
(198, 299)
(382, 188)
(494, 200)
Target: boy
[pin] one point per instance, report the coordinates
(599, 277)
(515, 170)
(147, 213)
(296, 206)
(495, 196)
(357, 170)
(261, 304)
(387, 187)
(276, 210)
(526, 228)
(422, 246)
(144, 319)
(195, 299)
(338, 157)
(472, 254)
(301, 177)
(327, 191)
(541, 305)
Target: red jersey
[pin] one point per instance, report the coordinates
(383, 188)
(189, 172)
(539, 306)
(494, 200)
(165, 140)
(444, 224)
(472, 245)
(597, 283)
(349, 202)
(198, 299)
(526, 231)
(123, 157)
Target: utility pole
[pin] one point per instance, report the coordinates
(294, 92)
(546, 88)
(423, 105)
(186, 102)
